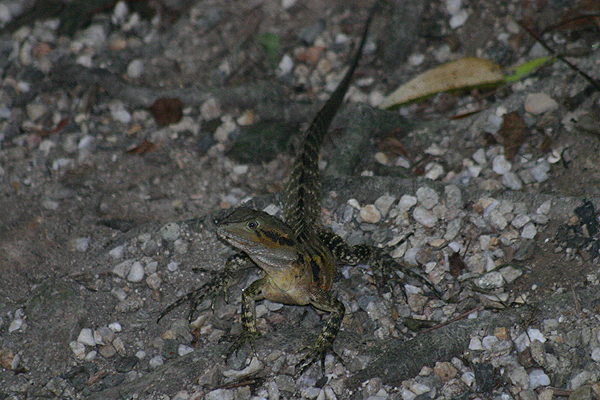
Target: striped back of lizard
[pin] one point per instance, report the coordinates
(302, 196)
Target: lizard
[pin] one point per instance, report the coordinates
(298, 255)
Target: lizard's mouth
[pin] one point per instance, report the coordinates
(236, 241)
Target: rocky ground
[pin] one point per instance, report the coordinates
(119, 145)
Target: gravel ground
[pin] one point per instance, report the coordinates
(106, 203)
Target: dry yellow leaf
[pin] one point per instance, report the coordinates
(464, 73)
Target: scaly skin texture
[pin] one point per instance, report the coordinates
(297, 255)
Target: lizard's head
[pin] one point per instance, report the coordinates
(265, 238)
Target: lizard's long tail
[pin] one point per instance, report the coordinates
(303, 191)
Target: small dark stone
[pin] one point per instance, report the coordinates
(113, 380)
(485, 377)
(169, 349)
(126, 364)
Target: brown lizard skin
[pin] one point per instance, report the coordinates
(297, 255)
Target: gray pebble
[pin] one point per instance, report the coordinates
(539, 171)
(122, 269)
(117, 252)
(136, 273)
(427, 197)
(135, 69)
(529, 231)
(510, 274)
(512, 181)
(384, 203)
(424, 217)
(156, 362)
(491, 280)
(170, 231)
(501, 165)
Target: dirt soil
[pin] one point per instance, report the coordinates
(90, 183)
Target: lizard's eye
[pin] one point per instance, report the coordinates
(252, 225)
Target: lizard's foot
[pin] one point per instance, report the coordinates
(240, 341)
(318, 353)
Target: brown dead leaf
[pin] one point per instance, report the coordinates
(167, 111)
(6, 358)
(457, 265)
(142, 148)
(514, 132)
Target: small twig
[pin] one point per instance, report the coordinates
(593, 81)
(576, 300)
(461, 316)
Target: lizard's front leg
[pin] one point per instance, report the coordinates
(250, 295)
(325, 301)
(219, 283)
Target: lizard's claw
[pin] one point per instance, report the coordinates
(240, 341)
(318, 353)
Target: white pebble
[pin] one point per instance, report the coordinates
(173, 266)
(86, 336)
(475, 344)
(182, 350)
(384, 203)
(117, 252)
(433, 171)
(529, 231)
(520, 220)
(15, 324)
(424, 217)
(240, 169)
(479, 156)
(489, 341)
(122, 269)
(286, 65)
(538, 378)
(458, 19)
(136, 273)
(91, 355)
(491, 280)
(78, 349)
(512, 181)
(135, 69)
(115, 327)
(427, 197)
(155, 362)
(119, 113)
(407, 202)
(501, 165)
(468, 378)
(210, 109)
(544, 208)
(596, 354)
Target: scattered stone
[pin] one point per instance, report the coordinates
(529, 231)
(424, 217)
(539, 103)
(491, 280)
(407, 202)
(384, 203)
(86, 337)
(135, 69)
(445, 371)
(370, 214)
(136, 273)
(538, 378)
(501, 165)
(427, 197)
